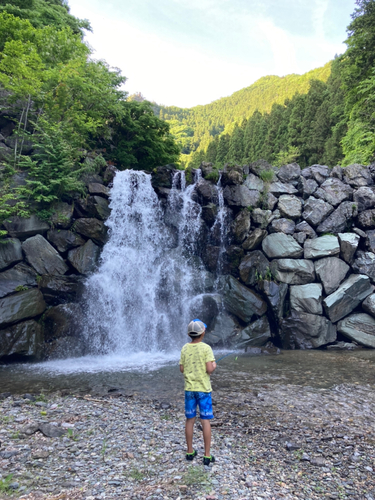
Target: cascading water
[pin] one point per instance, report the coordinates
(141, 297)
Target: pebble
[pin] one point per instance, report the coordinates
(293, 442)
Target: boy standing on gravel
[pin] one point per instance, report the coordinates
(197, 362)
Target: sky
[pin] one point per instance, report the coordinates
(190, 52)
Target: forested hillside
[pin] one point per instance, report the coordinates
(325, 116)
(62, 114)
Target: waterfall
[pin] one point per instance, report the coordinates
(150, 276)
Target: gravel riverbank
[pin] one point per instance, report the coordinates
(273, 442)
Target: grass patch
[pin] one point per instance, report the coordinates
(136, 474)
(5, 484)
(267, 175)
(196, 475)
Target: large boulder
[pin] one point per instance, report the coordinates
(85, 258)
(334, 192)
(261, 217)
(64, 240)
(348, 245)
(275, 294)
(290, 173)
(278, 188)
(62, 215)
(293, 271)
(64, 320)
(331, 271)
(360, 328)
(43, 257)
(22, 228)
(340, 220)
(231, 259)
(242, 302)
(306, 331)
(61, 289)
(307, 298)
(209, 214)
(290, 206)
(253, 267)
(304, 227)
(317, 172)
(279, 245)
(206, 307)
(324, 246)
(256, 334)
(371, 240)
(365, 198)
(254, 240)
(93, 207)
(307, 187)
(22, 340)
(241, 226)
(368, 305)
(210, 257)
(240, 196)
(366, 219)
(285, 226)
(99, 189)
(232, 175)
(316, 210)
(93, 229)
(206, 191)
(22, 305)
(225, 327)
(357, 175)
(19, 276)
(10, 252)
(347, 297)
(109, 175)
(365, 264)
(162, 177)
(253, 182)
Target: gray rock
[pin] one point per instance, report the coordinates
(24, 339)
(61, 289)
(285, 226)
(323, 246)
(306, 331)
(293, 271)
(360, 328)
(231, 259)
(241, 226)
(253, 267)
(22, 305)
(62, 216)
(304, 227)
(93, 229)
(162, 177)
(64, 347)
(340, 220)
(371, 240)
(51, 431)
(364, 197)
(316, 210)
(300, 238)
(368, 304)
(63, 320)
(232, 175)
(357, 175)
(261, 217)
(94, 207)
(224, 329)
(206, 169)
(254, 239)
(43, 257)
(307, 187)
(257, 334)
(211, 257)
(360, 233)
(281, 188)
(64, 240)
(270, 201)
(317, 172)
(331, 271)
(253, 182)
(334, 192)
(241, 301)
(290, 206)
(22, 228)
(366, 219)
(337, 172)
(18, 276)
(84, 259)
(206, 191)
(347, 297)
(290, 173)
(241, 196)
(275, 294)
(365, 264)
(5, 152)
(207, 308)
(99, 189)
(348, 245)
(279, 245)
(307, 298)
(209, 214)
(10, 252)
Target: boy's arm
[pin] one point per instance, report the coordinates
(210, 367)
(182, 368)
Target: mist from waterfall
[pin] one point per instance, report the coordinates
(150, 278)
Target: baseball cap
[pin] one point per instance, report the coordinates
(196, 328)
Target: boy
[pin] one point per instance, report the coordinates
(197, 362)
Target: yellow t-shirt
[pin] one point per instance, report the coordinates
(194, 358)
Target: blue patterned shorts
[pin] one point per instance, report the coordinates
(201, 399)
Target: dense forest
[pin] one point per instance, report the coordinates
(325, 116)
(63, 114)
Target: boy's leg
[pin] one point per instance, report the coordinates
(189, 429)
(206, 426)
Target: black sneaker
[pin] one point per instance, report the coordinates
(208, 460)
(190, 456)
